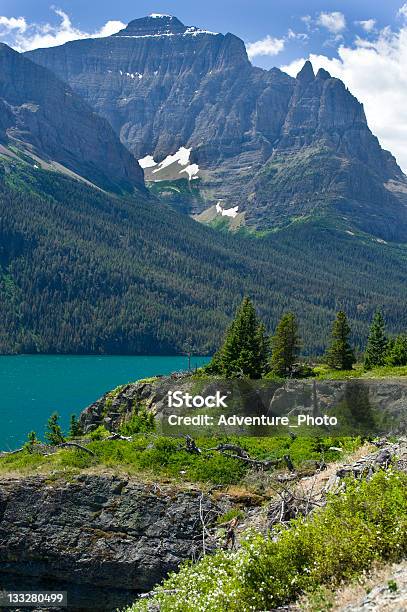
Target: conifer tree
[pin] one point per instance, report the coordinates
(245, 348)
(31, 441)
(377, 344)
(340, 355)
(53, 433)
(397, 351)
(285, 345)
(75, 428)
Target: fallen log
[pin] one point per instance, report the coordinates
(75, 445)
(13, 452)
(117, 436)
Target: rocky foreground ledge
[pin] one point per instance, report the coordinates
(105, 539)
(98, 532)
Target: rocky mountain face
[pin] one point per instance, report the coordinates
(326, 157)
(164, 86)
(42, 117)
(281, 149)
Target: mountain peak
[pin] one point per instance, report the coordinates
(156, 25)
(153, 25)
(306, 74)
(323, 74)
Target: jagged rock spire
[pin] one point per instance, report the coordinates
(306, 74)
(323, 74)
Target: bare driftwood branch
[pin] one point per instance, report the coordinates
(13, 452)
(236, 452)
(232, 448)
(191, 446)
(117, 436)
(47, 450)
(75, 445)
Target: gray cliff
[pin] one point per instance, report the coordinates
(280, 148)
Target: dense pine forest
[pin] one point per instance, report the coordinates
(83, 271)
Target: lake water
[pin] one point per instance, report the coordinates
(34, 386)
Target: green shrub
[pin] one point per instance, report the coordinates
(53, 432)
(229, 515)
(100, 433)
(273, 376)
(74, 458)
(141, 421)
(26, 460)
(365, 523)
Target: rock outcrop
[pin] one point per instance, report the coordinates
(41, 116)
(279, 148)
(102, 538)
(359, 401)
(387, 596)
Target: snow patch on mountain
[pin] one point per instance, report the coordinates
(181, 156)
(227, 212)
(192, 171)
(147, 162)
(195, 31)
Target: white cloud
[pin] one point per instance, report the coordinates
(8, 24)
(402, 12)
(265, 46)
(368, 25)
(307, 19)
(110, 27)
(374, 71)
(334, 22)
(24, 36)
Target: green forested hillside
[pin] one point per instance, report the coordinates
(83, 271)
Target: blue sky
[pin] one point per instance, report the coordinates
(252, 20)
(362, 42)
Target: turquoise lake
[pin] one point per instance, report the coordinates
(34, 386)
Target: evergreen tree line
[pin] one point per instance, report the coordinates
(382, 350)
(53, 432)
(248, 351)
(88, 273)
